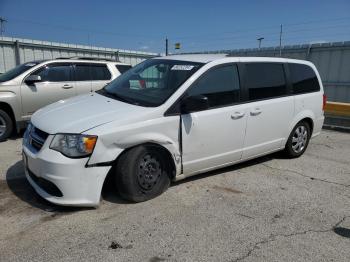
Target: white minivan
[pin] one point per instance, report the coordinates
(169, 118)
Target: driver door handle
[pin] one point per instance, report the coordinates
(66, 86)
(237, 115)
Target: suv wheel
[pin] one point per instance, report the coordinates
(298, 140)
(6, 125)
(142, 173)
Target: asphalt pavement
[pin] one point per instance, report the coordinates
(268, 209)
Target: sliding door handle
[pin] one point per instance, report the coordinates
(255, 112)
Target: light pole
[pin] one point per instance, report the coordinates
(2, 21)
(260, 39)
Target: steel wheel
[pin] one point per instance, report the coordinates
(2, 126)
(299, 139)
(149, 172)
(143, 172)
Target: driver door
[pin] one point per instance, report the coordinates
(56, 84)
(214, 137)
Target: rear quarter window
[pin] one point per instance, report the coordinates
(303, 78)
(123, 68)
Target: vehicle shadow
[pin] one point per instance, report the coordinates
(20, 187)
(16, 135)
(231, 168)
(109, 192)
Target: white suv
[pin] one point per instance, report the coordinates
(32, 85)
(169, 118)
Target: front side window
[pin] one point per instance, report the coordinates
(303, 78)
(55, 73)
(265, 80)
(220, 85)
(11, 74)
(151, 82)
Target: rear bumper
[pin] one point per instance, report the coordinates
(79, 186)
(318, 126)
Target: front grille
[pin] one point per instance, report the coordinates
(46, 185)
(37, 138)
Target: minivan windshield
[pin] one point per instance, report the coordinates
(151, 82)
(11, 74)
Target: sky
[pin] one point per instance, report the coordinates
(198, 25)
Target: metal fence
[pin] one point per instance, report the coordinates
(331, 59)
(14, 51)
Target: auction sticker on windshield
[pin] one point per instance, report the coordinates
(182, 67)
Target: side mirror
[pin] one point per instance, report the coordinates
(32, 79)
(194, 103)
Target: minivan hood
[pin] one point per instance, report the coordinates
(81, 113)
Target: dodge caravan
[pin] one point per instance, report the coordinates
(169, 118)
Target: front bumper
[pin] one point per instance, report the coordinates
(79, 185)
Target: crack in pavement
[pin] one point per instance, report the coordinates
(272, 238)
(303, 175)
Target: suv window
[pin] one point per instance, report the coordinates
(11, 74)
(265, 80)
(55, 73)
(303, 78)
(91, 72)
(122, 68)
(100, 72)
(220, 85)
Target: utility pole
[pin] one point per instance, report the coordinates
(281, 41)
(166, 46)
(260, 39)
(2, 28)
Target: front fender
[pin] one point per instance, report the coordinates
(163, 132)
(11, 99)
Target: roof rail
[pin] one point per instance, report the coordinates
(89, 58)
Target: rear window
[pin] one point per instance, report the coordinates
(91, 72)
(303, 78)
(123, 68)
(265, 80)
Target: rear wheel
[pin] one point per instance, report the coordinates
(298, 140)
(142, 173)
(6, 125)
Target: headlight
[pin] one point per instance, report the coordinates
(27, 133)
(74, 145)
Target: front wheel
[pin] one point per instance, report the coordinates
(143, 173)
(298, 140)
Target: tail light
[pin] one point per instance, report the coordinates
(324, 101)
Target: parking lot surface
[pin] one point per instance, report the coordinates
(268, 209)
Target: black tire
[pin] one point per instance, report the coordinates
(6, 125)
(296, 145)
(142, 173)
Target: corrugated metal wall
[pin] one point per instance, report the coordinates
(15, 51)
(331, 59)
